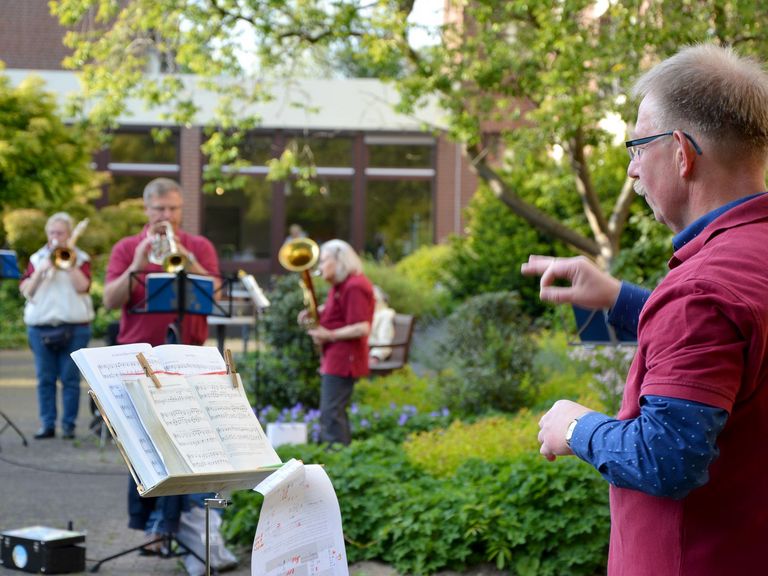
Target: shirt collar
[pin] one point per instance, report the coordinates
(694, 229)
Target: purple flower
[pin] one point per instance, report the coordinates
(364, 423)
(403, 419)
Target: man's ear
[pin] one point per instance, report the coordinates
(685, 155)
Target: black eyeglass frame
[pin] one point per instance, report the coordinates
(646, 139)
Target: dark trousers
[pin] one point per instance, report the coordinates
(155, 515)
(335, 394)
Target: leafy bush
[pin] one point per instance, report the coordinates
(486, 350)
(408, 295)
(402, 388)
(535, 517)
(13, 332)
(393, 422)
(608, 366)
(442, 451)
(284, 373)
(25, 232)
(488, 257)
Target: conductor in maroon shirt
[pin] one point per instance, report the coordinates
(344, 324)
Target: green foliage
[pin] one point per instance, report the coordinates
(486, 353)
(13, 333)
(43, 162)
(647, 248)
(441, 452)
(401, 388)
(523, 514)
(25, 232)
(488, 258)
(408, 294)
(285, 371)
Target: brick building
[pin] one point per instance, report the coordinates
(383, 178)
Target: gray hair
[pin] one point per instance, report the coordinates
(347, 260)
(160, 187)
(713, 92)
(63, 217)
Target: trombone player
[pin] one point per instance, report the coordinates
(58, 314)
(148, 251)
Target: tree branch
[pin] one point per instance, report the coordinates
(533, 215)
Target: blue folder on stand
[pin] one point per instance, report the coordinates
(9, 265)
(162, 293)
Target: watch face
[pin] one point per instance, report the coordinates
(19, 556)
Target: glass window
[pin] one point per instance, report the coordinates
(125, 186)
(141, 147)
(325, 151)
(237, 221)
(399, 216)
(400, 156)
(325, 215)
(256, 149)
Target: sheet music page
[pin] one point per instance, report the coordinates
(187, 360)
(235, 423)
(299, 529)
(177, 423)
(104, 369)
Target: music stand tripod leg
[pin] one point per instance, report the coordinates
(9, 424)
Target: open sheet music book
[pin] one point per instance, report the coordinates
(188, 428)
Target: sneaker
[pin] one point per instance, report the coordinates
(45, 433)
(68, 434)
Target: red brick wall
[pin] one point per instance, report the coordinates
(191, 163)
(455, 184)
(29, 36)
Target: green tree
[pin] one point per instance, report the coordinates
(528, 86)
(44, 163)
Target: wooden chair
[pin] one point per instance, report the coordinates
(400, 346)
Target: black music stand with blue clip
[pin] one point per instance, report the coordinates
(9, 270)
(181, 293)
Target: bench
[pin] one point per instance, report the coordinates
(400, 345)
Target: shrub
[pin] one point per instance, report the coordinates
(13, 332)
(442, 451)
(608, 366)
(393, 422)
(284, 373)
(401, 388)
(535, 517)
(408, 295)
(487, 351)
(25, 232)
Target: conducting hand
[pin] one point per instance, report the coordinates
(589, 287)
(553, 426)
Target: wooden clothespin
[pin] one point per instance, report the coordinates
(148, 369)
(231, 370)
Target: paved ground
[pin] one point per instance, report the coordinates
(54, 482)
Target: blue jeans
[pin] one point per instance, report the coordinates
(52, 365)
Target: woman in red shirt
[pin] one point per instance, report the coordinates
(344, 325)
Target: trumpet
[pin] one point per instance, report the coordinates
(164, 251)
(64, 257)
(301, 255)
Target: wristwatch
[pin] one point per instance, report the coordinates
(569, 431)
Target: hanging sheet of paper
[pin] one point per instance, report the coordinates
(299, 530)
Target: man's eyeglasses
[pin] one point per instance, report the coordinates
(159, 209)
(634, 146)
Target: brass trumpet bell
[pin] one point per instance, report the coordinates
(301, 255)
(165, 253)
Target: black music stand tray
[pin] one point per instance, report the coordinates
(9, 424)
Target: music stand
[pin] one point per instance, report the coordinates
(9, 424)
(9, 270)
(182, 294)
(260, 303)
(9, 265)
